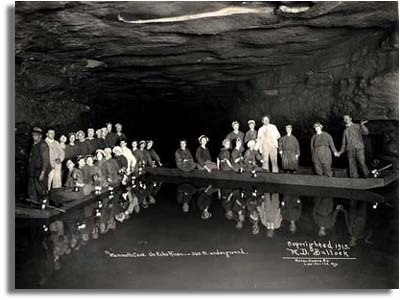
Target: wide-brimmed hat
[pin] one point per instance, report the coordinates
(37, 130)
(235, 123)
(251, 122)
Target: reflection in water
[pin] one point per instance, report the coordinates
(244, 207)
(291, 210)
(325, 214)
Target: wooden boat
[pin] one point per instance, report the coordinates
(293, 190)
(303, 178)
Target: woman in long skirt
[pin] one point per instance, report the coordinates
(203, 156)
(289, 150)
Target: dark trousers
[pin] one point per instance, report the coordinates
(357, 156)
(36, 188)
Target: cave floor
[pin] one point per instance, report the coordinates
(164, 248)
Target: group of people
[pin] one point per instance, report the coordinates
(100, 160)
(264, 145)
(103, 158)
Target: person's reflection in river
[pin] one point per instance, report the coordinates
(204, 200)
(291, 210)
(253, 201)
(356, 221)
(154, 188)
(325, 214)
(270, 213)
(239, 207)
(184, 196)
(225, 196)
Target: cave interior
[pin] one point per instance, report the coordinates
(170, 70)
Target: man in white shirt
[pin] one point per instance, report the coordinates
(56, 157)
(268, 136)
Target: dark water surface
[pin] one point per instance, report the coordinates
(172, 244)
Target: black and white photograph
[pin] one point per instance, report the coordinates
(204, 145)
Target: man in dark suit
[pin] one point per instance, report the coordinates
(39, 166)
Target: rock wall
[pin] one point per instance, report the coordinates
(359, 78)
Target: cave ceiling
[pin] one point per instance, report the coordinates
(102, 48)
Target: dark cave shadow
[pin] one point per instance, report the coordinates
(10, 192)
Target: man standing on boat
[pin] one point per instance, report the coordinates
(268, 136)
(353, 144)
(56, 157)
(39, 165)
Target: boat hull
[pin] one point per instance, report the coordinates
(282, 178)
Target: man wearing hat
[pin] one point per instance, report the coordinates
(235, 134)
(268, 136)
(321, 147)
(56, 157)
(39, 165)
(289, 150)
(251, 134)
(353, 144)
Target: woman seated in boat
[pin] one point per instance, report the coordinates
(96, 175)
(224, 157)
(183, 158)
(129, 157)
(73, 188)
(100, 160)
(153, 156)
(74, 179)
(289, 151)
(252, 158)
(147, 161)
(138, 154)
(112, 169)
(237, 159)
(203, 156)
(121, 160)
(87, 187)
